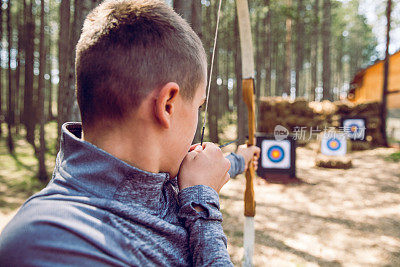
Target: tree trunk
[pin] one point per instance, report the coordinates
(17, 97)
(29, 114)
(299, 45)
(10, 104)
(314, 50)
(386, 76)
(259, 60)
(42, 66)
(49, 65)
(1, 77)
(288, 54)
(213, 107)
(63, 62)
(339, 66)
(70, 109)
(277, 67)
(268, 58)
(196, 20)
(184, 8)
(326, 53)
(225, 103)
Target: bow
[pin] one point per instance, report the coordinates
(248, 97)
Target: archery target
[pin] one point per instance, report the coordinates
(275, 154)
(335, 145)
(354, 128)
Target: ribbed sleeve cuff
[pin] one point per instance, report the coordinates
(237, 164)
(200, 195)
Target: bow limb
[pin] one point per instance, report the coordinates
(248, 97)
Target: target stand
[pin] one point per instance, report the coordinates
(277, 162)
(333, 152)
(334, 145)
(354, 128)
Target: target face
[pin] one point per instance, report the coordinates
(334, 146)
(275, 154)
(354, 128)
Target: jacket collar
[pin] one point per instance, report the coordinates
(103, 175)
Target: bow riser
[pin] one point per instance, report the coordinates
(248, 97)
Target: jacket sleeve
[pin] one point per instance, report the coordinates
(237, 164)
(55, 237)
(207, 241)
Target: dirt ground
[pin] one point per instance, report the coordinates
(334, 218)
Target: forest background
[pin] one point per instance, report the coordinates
(305, 48)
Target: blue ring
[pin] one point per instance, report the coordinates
(269, 154)
(328, 144)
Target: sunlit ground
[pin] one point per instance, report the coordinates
(336, 218)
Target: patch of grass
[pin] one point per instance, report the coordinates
(18, 171)
(394, 157)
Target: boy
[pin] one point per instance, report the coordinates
(113, 199)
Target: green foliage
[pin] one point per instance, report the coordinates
(394, 157)
(352, 47)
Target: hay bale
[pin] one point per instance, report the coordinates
(265, 107)
(343, 162)
(328, 107)
(344, 107)
(294, 121)
(316, 107)
(324, 107)
(283, 108)
(281, 111)
(366, 109)
(336, 117)
(335, 124)
(300, 107)
(360, 145)
(373, 123)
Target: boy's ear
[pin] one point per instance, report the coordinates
(165, 103)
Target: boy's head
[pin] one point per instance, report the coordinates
(129, 48)
(141, 75)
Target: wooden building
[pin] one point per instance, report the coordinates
(367, 84)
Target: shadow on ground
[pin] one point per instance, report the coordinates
(335, 218)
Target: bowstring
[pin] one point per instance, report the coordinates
(211, 70)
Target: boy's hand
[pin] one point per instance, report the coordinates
(204, 166)
(249, 153)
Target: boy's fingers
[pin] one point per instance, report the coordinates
(227, 177)
(211, 147)
(189, 156)
(257, 151)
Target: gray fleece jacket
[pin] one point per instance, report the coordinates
(99, 211)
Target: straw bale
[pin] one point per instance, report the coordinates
(324, 161)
